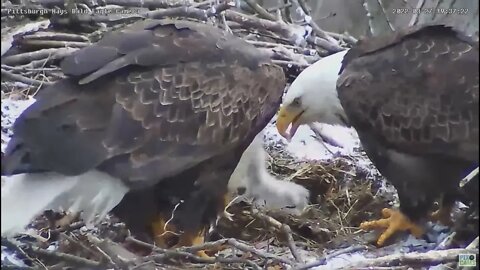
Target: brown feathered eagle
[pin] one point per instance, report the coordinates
(157, 115)
(412, 97)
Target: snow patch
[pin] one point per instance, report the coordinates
(306, 144)
(7, 39)
(10, 258)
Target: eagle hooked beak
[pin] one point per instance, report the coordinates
(286, 116)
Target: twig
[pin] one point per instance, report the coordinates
(283, 228)
(345, 37)
(25, 58)
(469, 177)
(246, 248)
(210, 245)
(285, 5)
(284, 30)
(447, 242)
(473, 244)
(316, 29)
(114, 253)
(16, 267)
(57, 36)
(184, 252)
(322, 43)
(190, 12)
(124, 3)
(23, 79)
(72, 259)
(78, 243)
(432, 257)
(291, 243)
(260, 10)
(53, 43)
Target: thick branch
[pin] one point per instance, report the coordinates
(260, 10)
(123, 3)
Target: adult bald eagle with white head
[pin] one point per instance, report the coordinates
(412, 97)
(150, 122)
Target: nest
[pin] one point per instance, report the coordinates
(342, 194)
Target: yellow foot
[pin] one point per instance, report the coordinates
(193, 239)
(167, 236)
(442, 215)
(392, 222)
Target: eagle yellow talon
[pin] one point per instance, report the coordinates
(392, 222)
(442, 215)
(166, 236)
(193, 240)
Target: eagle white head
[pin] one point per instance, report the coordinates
(313, 97)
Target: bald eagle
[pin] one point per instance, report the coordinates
(150, 122)
(412, 97)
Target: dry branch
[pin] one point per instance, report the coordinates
(57, 36)
(260, 10)
(190, 12)
(432, 257)
(28, 57)
(23, 79)
(284, 229)
(71, 259)
(316, 29)
(124, 3)
(42, 44)
(188, 253)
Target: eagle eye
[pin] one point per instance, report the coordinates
(296, 102)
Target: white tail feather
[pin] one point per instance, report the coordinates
(25, 196)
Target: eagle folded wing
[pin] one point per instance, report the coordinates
(419, 105)
(147, 103)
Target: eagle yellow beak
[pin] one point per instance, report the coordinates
(287, 116)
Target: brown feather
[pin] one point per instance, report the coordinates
(420, 91)
(178, 91)
(413, 98)
(167, 107)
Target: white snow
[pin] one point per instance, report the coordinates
(7, 39)
(342, 260)
(305, 145)
(12, 258)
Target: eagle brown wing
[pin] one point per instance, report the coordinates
(147, 102)
(415, 91)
